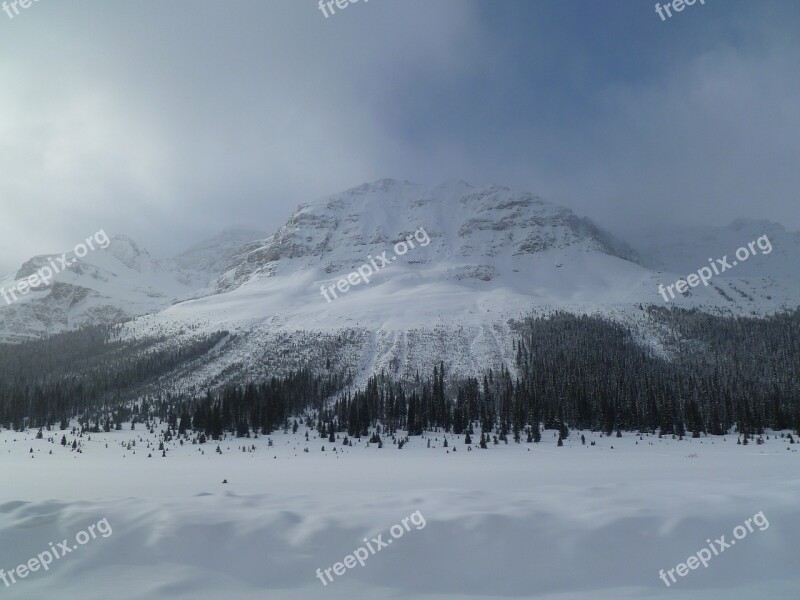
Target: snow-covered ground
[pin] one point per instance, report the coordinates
(513, 521)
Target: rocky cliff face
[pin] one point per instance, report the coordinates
(480, 226)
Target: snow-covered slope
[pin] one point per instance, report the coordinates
(480, 258)
(213, 256)
(687, 249)
(111, 284)
(476, 231)
(107, 285)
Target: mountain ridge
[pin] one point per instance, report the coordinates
(494, 255)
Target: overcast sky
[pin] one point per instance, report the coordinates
(169, 121)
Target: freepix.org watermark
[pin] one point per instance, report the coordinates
(340, 4)
(13, 5)
(676, 5)
(46, 558)
(719, 265)
(365, 271)
(360, 555)
(44, 275)
(717, 547)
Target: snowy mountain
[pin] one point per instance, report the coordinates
(475, 231)
(213, 256)
(109, 285)
(392, 276)
(481, 257)
(685, 250)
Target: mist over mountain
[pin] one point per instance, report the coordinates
(213, 256)
(684, 250)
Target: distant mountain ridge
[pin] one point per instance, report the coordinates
(110, 285)
(684, 250)
(213, 256)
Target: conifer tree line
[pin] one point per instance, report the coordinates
(261, 407)
(585, 372)
(724, 373)
(716, 374)
(84, 374)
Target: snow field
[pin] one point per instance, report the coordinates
(512, 521)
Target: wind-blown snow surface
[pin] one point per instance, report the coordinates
(513, 521)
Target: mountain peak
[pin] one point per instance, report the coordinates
(476, 232)
(763, 226)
